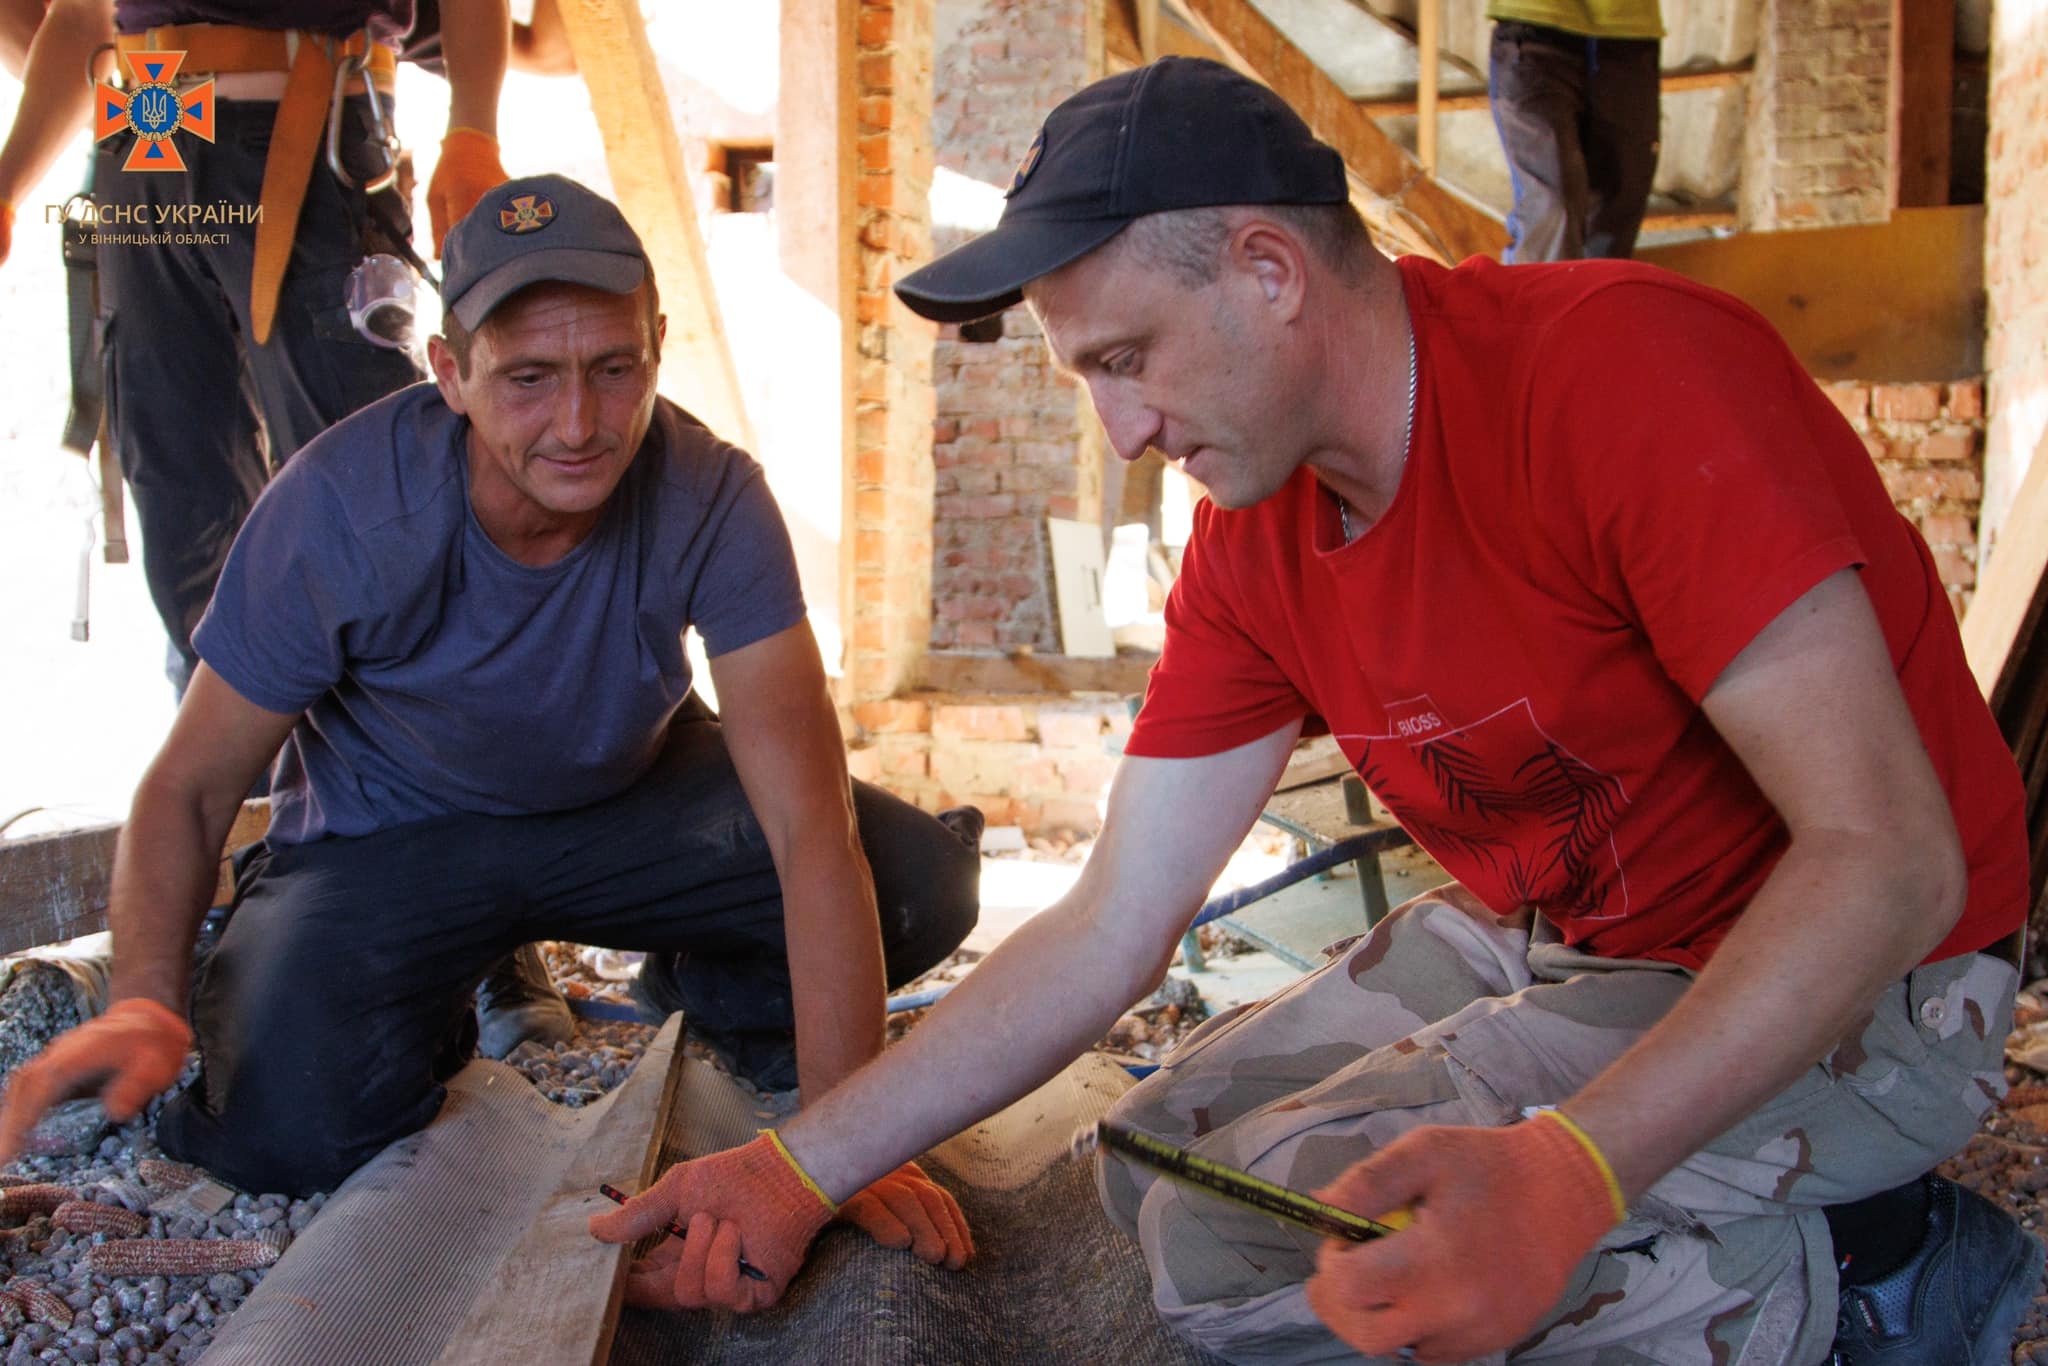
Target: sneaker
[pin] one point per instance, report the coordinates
(518, 1004)
(1959, 1299)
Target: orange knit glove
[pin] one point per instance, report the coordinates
(468, 167)
(751, 1202)
(1501, 1219)
(6, 230)
(906, 1208)
(129, 1054)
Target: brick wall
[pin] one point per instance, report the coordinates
(2015, 245)
(890, 518)
(1816, 144)
(1038, 762)
(1927, 441)
(1006, 449)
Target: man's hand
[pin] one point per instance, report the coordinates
(129, 1054)
(468, 167)
(750, 1202)
(1501, 1219)
(906, 1208)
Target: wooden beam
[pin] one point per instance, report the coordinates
(1681, 220)
(1148, 29)
(1926, 323)
(1428, 42)
(54, 887)
(1026, 673)
(2010, 582)
(1408, 209)
(1922, 97)
(653, 190)
(1124, 47)
(1459, 101)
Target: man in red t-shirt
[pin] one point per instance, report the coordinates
(1605, 601)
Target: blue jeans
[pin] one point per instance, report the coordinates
(338, 999)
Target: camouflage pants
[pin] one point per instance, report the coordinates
(1448, 1014)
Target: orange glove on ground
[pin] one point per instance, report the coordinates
(1501, 1219)
(6, 230)
(129, 1054)
(468, 166)
(752, 1201)
(906, 1208)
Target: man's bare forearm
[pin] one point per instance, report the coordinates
(835, 959)
(165, 866)
(1026, 1011)
(1839, 920)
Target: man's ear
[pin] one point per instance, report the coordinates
(447, 374)
(1276, 262)
(660, 333)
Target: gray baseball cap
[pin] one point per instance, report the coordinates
(536, 228)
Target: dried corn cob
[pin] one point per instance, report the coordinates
(83, 1216)
(179, 1256)
(18, 1202)
(13, 1313)
(157, 1171)
(44, 1306)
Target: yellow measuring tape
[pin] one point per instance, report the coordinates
(1241, 1186)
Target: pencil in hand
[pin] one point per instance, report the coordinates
(619, 1197)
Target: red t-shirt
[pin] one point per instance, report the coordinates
(1617, 479)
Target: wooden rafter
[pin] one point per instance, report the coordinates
(1408, 209)
(645, 158)
(1673, 82)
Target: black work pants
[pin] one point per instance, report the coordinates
(338, 999)
(198, 413)
(1578, 122)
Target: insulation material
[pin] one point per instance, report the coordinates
(1052, 1281)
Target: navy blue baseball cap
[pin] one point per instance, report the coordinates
(536, 228)
(1179, 133)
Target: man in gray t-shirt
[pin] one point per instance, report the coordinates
(459, 613)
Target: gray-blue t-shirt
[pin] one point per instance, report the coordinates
(439, 675)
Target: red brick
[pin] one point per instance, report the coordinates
(1956, 571)
(1089, 777)
(984, 721)
(1949, 446)
(877, 22)
(1966, 400)
(864, 764)
(877, 111)
(1948, 529)
(894, 716)
(906, 761)
(1906, 402)
(1070, 815)
(1070, 729)
(876, 72)
(1852, 399)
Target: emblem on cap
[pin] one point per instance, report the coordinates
(1027, 165)
(526, 213)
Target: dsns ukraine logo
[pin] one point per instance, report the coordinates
(154, 110)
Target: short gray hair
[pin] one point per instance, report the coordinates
(1188, 243)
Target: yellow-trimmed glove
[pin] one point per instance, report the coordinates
(468, 167)
(6, 230)
(1501, 1219)
(752, 1202)
(906, 1208)
(129, 1053)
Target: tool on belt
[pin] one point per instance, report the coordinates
(1234, 1184)
(320, 71)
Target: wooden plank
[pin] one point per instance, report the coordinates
(1684, 220)
(2010, 580)
(1124, 46)
(557, 1294)
(1922, 101)
(1148, 29)
(1410, 211)
(54, 887)
(1458, 101)
(1428, 41)
(1815, 286)
(645, 158)
(1023, 673)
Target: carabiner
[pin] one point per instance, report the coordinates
(344, 71)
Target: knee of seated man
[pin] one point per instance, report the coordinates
(1202, 1249)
